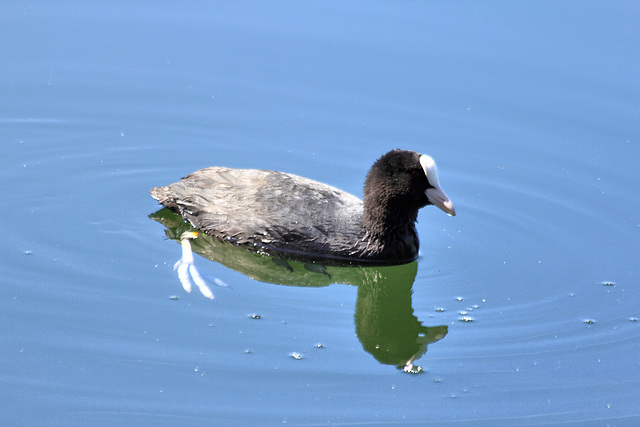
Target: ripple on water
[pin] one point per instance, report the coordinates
(535, 251)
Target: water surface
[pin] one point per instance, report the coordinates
(523, 309)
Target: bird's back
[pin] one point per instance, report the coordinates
(269, 211)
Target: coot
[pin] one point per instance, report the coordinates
(284, 214)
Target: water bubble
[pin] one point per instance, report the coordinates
(220, 283)
(410, 368)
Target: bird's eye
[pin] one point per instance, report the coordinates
(415, 173)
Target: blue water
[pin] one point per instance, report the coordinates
(523, 309)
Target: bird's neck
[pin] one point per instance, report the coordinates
(379, 220)
(393, 229)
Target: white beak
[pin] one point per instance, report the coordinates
(436, 196)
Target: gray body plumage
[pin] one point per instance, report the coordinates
(270, 210)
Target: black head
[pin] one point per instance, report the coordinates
(401, 182)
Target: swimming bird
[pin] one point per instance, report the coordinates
(294, 217)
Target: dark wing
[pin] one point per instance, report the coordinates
(269, 210)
